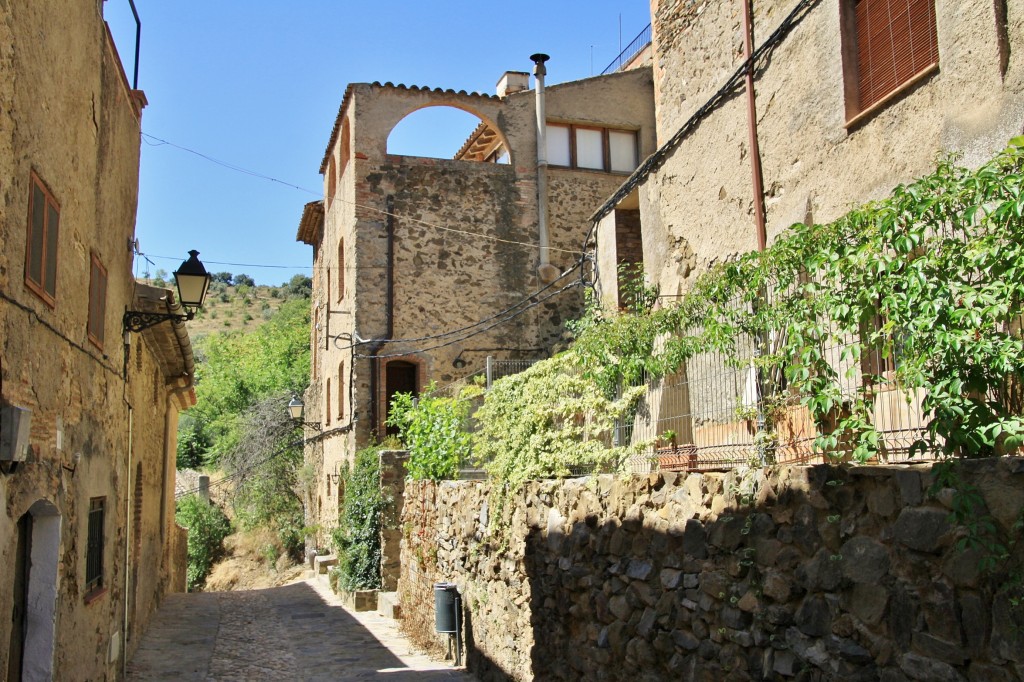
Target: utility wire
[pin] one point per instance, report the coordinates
(479, 331)
(161, 142)
(528, 299)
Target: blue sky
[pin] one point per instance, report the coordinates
(256, 84)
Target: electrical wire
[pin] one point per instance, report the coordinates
(478, 332)
(653, 162)
(333, 198)
(528, 299)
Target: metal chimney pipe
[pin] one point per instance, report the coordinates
(547, 272)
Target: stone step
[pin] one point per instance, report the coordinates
(388, 606)
(324, 561)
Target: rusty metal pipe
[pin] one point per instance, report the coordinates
(755, 150)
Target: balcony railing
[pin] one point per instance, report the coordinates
(632, 50)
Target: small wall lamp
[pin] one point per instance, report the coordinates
(295, 409)
(74, 463)
(193, 281)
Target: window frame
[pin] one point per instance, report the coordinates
(95, 324)
(47, 242)
(341, 391)
(851, 49)
(605, 147)
(341, 269)
(94, 547)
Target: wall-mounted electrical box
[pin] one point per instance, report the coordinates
(15, 425)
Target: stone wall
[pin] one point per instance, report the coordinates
(103, 414)
(810, 573)
(698, 207)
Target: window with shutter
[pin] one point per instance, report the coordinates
(94, 547)
(888, 46)
(97, 301)
(41, 245)
(592, 148)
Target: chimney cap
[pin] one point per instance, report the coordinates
(539, 58)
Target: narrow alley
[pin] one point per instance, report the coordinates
(294, 632)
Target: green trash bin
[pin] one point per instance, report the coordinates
(446, 612)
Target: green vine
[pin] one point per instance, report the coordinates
(931, 277)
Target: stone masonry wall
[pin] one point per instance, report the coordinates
(698, 209)
(810, 573)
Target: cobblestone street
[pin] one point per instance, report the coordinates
(295, 632)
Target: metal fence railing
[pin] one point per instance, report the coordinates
(642, 40)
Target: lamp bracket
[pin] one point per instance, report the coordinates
(135, 321)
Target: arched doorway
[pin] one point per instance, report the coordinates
(30, 650)
(400, 376)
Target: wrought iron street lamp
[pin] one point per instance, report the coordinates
(193, 281)
(295, 409)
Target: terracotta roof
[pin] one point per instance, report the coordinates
(311, 223)
(390, 86)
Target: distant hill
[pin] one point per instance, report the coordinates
(235, 302)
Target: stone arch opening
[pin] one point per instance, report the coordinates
(37, 562)
(446, 131)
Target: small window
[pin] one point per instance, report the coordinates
(887, 44)
(589, 148)
(94, 547)
(332, 181)
(341, 269)
(97, 301)
(558, 145)
(41, 245)
(341, 391)
(327, 412)
(592, 148)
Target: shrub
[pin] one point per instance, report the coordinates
(356, 539)
(432, 428)
(207, 527)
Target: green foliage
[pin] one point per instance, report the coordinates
(432, 428)
(356, 539)
(242, 280)
(939, 265)
(236, 370)
(221, 277)
(207, 527)
(192, 443)
(549, 421)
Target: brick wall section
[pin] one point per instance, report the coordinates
(821, 573)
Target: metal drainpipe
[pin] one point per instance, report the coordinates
(545, 270)
(127, 544)
(389, 312)
(759, 209)
(755, 150)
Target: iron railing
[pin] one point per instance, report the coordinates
(633, 49)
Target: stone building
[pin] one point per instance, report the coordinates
(832, 132)
(839, 118)
(423, 267)
(88, 543)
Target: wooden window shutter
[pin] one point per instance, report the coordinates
(896, 40)
(41, 243)
(97, 301)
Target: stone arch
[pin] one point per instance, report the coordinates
(42, 524)
(382, 107)
(485, 130)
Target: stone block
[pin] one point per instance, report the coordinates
(814, 618)
(909, 483)
(925, 669)
(864, 560)
(922, 529)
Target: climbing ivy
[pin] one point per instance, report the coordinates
(933, 275)
(549, 421)
(356, 539)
